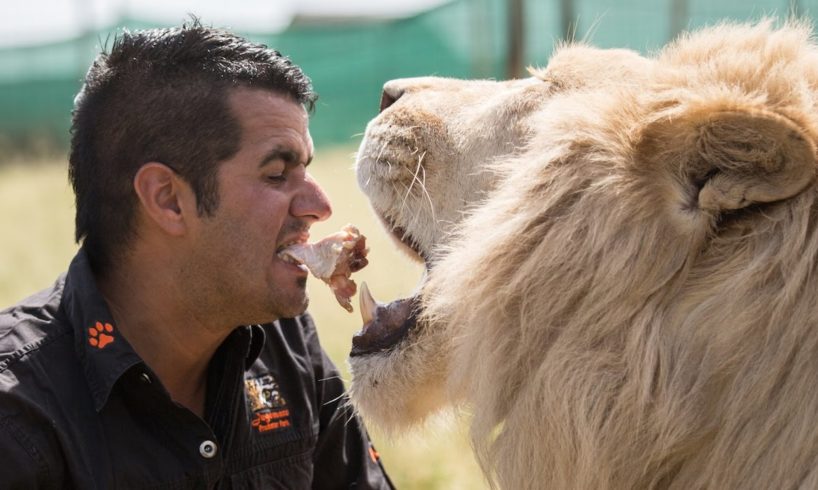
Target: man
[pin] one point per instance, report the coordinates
(153, 363)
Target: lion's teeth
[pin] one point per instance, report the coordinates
(368, 305)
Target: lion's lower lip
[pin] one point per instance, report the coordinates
(390, 324)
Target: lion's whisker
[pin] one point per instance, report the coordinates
(414, 179)
(380, 152)
(334, 399)
(426, 193)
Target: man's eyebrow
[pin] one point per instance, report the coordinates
(289, 157)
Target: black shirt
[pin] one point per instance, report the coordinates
(80, 409)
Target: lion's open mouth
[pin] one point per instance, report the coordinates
(385, 325)
(404, 239)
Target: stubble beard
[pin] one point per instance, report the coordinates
(283, 307)
(230, 288)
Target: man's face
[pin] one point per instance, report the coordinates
(267, 200)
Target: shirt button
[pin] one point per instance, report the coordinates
(207, 449)
(145, 378)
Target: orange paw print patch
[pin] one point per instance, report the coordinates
(97, 336)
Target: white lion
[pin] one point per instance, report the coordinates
(622, 259)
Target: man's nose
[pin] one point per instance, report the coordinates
(311, 202)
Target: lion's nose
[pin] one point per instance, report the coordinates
(390, 95)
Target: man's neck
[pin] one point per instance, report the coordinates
(174, 339)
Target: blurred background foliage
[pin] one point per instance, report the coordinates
(348, 55)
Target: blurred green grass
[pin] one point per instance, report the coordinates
(37, 213)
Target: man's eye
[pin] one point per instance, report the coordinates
(277, 178)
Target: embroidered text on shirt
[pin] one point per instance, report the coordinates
(269, 407)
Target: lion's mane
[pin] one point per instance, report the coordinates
(619, 317)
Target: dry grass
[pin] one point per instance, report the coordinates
(36, 212)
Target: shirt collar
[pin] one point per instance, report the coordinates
(257, 339)
(103, 352)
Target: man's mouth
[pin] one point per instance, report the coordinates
(294, 264)
(288, 259)
(385, 325)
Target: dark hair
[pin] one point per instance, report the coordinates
(161, 95)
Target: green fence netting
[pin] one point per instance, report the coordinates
(349, 62)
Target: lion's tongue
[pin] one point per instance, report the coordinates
(384, 324)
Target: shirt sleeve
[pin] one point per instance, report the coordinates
(24, 465)
(344, 456)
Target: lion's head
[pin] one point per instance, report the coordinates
(621, 264)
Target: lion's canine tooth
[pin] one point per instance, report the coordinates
(368, 305)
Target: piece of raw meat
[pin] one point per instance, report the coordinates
(333, 260)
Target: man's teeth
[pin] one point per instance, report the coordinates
(368, 305)
(288, 258)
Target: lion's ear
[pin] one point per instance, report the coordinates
(736, 158)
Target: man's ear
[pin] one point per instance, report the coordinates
(164, 197)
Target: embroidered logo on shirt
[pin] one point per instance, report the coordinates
(268, 406)
(97, 336)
